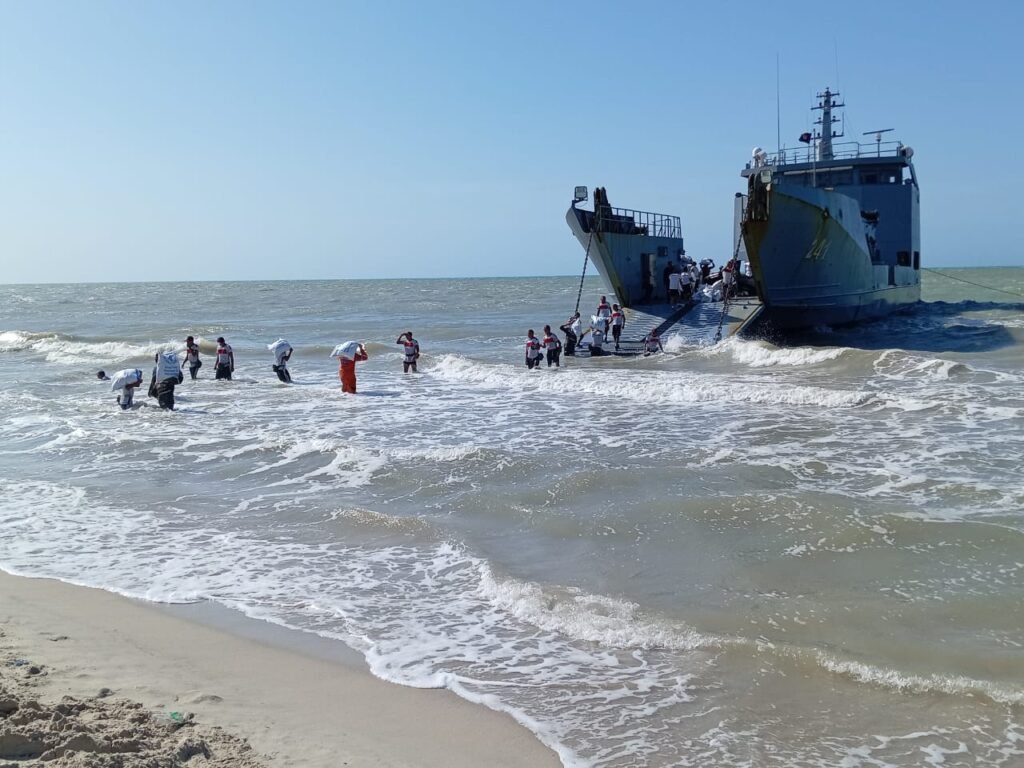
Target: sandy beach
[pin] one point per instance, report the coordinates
(149, 688)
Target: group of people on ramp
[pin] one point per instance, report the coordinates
(608, 320)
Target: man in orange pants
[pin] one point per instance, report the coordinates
(347, 370)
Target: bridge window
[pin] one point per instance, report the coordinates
(869, 178)
(917, 259)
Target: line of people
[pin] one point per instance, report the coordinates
(608, 319)
(168, 372)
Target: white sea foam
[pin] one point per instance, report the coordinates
(65, 350)
(651, 388)
(947, 684)
(761, 354)
(607, 621)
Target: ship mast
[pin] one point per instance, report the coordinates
(826, 104)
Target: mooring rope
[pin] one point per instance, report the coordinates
(586, 259)
(977, 285)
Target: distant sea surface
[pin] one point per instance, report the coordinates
(738, 555)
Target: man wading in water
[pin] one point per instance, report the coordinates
(192, 357)
(225, 359)
(412, 351)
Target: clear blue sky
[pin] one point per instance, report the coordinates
(257, 140)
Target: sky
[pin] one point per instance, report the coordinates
(264, 140)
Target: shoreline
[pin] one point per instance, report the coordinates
(298, 699)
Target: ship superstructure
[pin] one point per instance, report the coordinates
(832, 230)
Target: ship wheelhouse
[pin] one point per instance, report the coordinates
(880, 177)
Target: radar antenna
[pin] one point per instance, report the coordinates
(878, 139)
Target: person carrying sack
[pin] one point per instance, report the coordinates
(166, 376)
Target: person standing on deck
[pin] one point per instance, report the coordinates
(347, 369)
(686, 285)
(597, 340)
(533, 351)
(705, 269)
(225, 362)
(552, 346)
(192, 357)
(695, 275)
(618, 323)
(728, 279)
(572, 329)
(412, 351)
(673, 288)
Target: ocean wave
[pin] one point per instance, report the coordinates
(761, 354)
(646, 387)
(593, 618)
(900, 365)
(954, 685)
(75, 350)
(371, 519)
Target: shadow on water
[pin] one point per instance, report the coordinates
(937, 326)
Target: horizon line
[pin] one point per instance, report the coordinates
(384, 279)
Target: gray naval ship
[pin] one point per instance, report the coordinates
(833, 231)
(829, 234)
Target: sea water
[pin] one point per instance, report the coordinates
(739, 555)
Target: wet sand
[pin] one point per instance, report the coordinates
(151, 684)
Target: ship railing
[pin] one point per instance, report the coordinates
(847, 150)
(629, 222)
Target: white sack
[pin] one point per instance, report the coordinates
(348, 350)
(167, 366)
(122, 379)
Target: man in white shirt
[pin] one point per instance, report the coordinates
(674, 288)
(225, 359)
(572, 329)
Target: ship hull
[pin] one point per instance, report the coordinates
(811, 264)
(630, 265)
